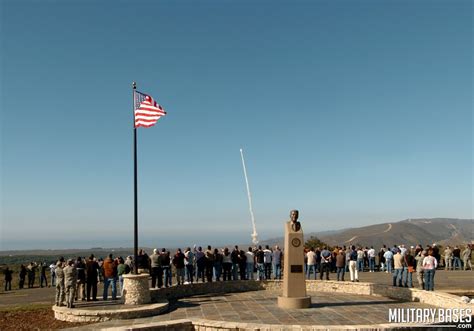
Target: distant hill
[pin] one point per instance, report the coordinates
(409, 232)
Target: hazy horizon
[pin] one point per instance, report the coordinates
(179, 240)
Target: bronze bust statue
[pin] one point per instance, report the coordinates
(295, 225)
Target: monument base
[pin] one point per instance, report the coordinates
(294, 303)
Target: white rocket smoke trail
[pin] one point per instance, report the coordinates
(254, 234)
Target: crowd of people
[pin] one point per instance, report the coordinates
(400, 261)
(77, 279)
(28, 274)
(211, 264)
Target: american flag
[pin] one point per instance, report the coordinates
(147, 111)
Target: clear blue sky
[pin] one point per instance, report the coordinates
(354, 113)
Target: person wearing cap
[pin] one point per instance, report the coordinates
(448, 258)
(70, 282)
(466, 257)
(52, 268)
(60, 289)
(419, 269)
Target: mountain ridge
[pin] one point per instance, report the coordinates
(424, 231)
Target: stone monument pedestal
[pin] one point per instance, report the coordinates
(136, 289)
(294, 282)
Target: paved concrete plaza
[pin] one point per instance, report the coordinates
(447, 281)
(261, 307)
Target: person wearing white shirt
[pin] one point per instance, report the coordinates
(311, 256)
(429, 266)
(388, 255)
(267, 261)
(250, 263)
(371, 256)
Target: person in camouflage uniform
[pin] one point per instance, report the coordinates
(60, 294)
(70, 282)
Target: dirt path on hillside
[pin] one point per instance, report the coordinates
(371, 234)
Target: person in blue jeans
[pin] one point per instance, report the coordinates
(259, 257)
(429, 266)
(399, 263)
(109, 268)
(360, 259)
(235, 262)
(340, 265)
(250, 263)
(371, 258)
(166, 266)
(276, 261)
(409, 269)
(311, 258)
(388, 255)
(456, 258)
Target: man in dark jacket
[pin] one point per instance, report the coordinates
(260, 257)
(340, 265)
(178, 262)
(92, 268)
(81, 279)
(143, 262)
(8, 279)
(209, 256)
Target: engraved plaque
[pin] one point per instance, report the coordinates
(297, 269)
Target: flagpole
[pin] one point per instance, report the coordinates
(135, 185)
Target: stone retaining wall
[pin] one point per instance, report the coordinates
(102, 315)
(182, 291)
